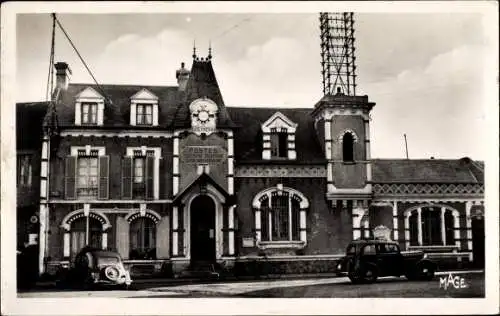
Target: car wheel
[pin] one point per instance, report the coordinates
(426, 272)
(370, 274)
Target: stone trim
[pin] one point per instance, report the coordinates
(280, 171)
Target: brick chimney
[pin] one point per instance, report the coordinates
(63, 73)
(182, 76)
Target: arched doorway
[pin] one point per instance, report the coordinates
(202, 229)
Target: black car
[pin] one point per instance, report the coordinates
(92, 267)
(366, 260)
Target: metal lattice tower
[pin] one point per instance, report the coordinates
(337, 53)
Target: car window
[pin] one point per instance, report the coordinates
(351, 250)
(369, 250)
(107, 260)
(391, 248)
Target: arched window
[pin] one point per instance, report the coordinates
(78, 233)
(431, 226)
(280, 218)
(348, 147)
(142, 238)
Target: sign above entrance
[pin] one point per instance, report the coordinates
(203, 155)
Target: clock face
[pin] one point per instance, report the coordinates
(203, 116)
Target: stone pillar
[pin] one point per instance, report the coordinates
(303, 225)
(443, 226)
(175, 233)
(104, 240)
(419, 226)
(230, 222)
(395, 221)
(468, 223)
(66, 244)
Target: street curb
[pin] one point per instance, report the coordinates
(180, 281)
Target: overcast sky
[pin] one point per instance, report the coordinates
(423, 70)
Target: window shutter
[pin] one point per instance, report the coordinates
(150, 164)
(127, 178)
(104, 177)
(70, 177)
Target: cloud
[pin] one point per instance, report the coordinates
(440, 106)
(143, 60)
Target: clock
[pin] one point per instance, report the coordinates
(203, 116)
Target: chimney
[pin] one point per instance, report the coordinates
(182, 76)
(62, 75)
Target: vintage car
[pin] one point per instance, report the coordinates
(93, 267)
(366, 260)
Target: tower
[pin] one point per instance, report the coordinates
(342, 122)
(337, 53)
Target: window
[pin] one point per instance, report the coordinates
(348, 147)
(89, 113)
(24, 169)
(387, 248)
(139, 173)
(144, 114)
(142, 239)
(369, 250)
(87, 172)
(140, 169)
(279, 148)
(431, 227)
(78, 234)
(281, 221)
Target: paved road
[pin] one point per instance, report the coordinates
(321, 287)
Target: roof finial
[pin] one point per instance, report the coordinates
(209, 50)
(194, 49)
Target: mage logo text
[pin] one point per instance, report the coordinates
(456, 282)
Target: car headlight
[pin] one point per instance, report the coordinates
(112, 273)
(425, 256)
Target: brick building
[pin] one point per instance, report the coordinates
(171, 178)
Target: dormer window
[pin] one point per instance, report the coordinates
(89, 108)
(278, 137)
(279, 144)
(144, 109)
(144, 114)
(89, 113)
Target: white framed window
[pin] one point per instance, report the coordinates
(144, 109)
(431, 225)
(89, 108)
(140, 173)
(87, 173)
(278, 137)
(280, 217)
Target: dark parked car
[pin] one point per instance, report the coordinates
(366, 260)
(92, 267)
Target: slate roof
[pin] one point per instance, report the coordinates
(29, 120)
(248, 137)
(201, 83)
(427, 171)
(117, 113)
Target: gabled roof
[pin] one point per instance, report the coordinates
(117, 113)
(426, 171)
(201, 83)
(248, 138)
(203, 178)
(29, 121)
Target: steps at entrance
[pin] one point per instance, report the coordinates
(202, 270)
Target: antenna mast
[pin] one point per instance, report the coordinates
(406, 146)
(337, 53)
